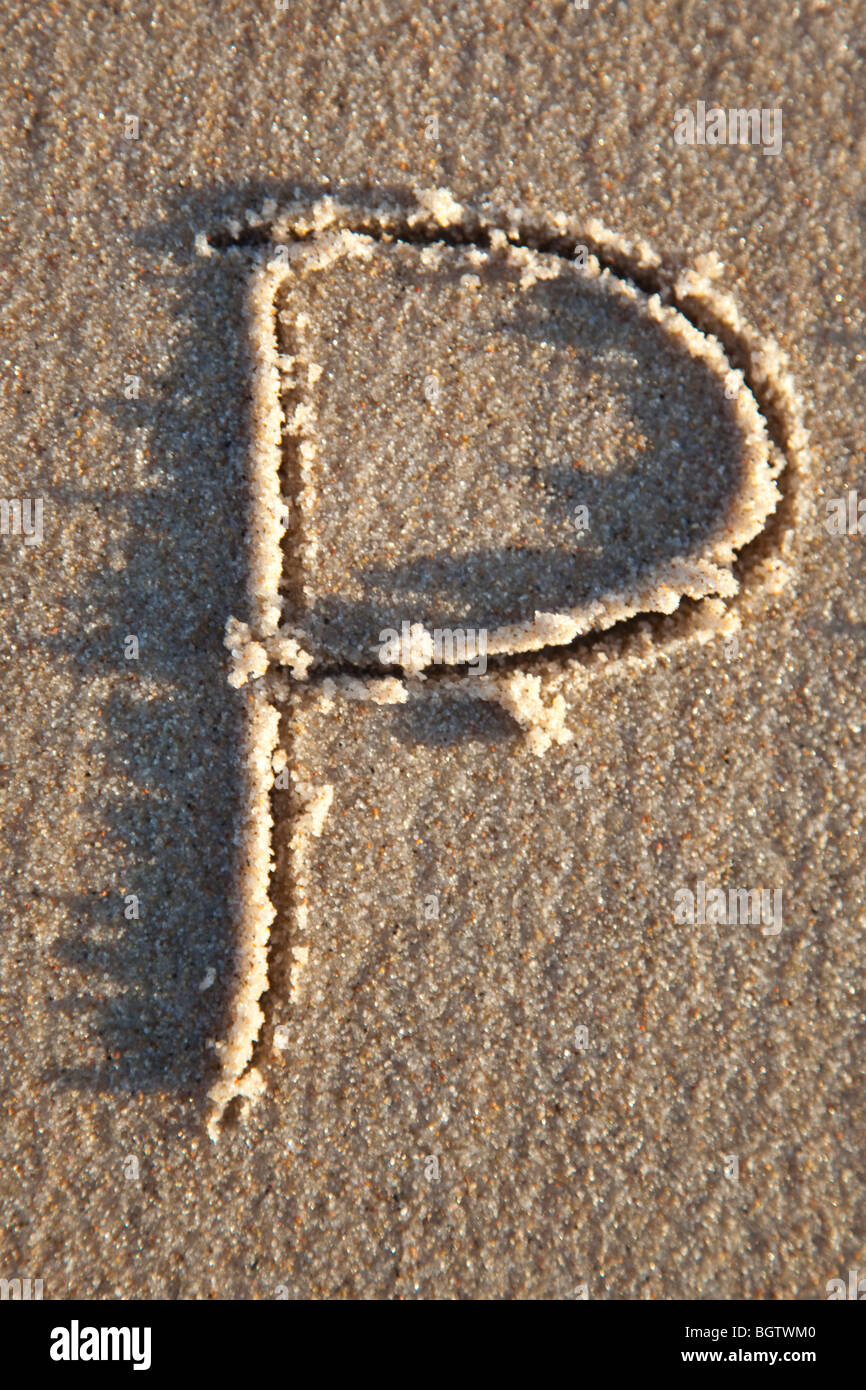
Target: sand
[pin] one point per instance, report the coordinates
(715, 462)
(471, 905)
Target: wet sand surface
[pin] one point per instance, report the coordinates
(433, 1123)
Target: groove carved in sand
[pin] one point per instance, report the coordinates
(752, 554)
